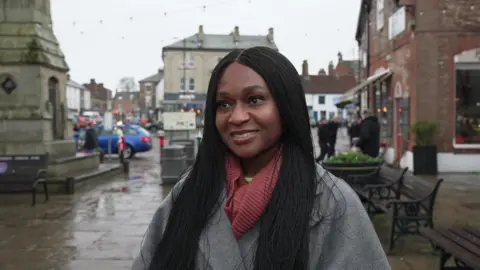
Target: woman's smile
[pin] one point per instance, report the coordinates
(243, 137)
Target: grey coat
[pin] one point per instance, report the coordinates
(341, 235)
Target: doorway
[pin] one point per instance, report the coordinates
(53, 98)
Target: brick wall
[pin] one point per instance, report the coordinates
(422, 56)
(444, 28)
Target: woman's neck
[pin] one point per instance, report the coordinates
(252, 166)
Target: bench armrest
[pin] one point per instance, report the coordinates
(41, 174)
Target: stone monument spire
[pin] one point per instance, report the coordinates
(33, 77)
(21, 11)
(27, 26)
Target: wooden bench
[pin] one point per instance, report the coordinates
(459, 245)
(24, 173)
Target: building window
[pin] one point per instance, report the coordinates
(321, 99)
(331, 115)
(323, 115)
(191, 84)
(380, 14)
(467, 128)
(131, 97)
(182, 84)
(120, 98)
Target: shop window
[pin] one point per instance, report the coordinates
(384, 110)
(467, 125)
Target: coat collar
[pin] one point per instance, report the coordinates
(222, 250)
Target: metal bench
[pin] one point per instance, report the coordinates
(387, 179)
(408, 199)
(24, 173)
(461, 246)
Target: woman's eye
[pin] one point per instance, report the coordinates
(255, 100)
(222, 105)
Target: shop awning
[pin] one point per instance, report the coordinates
(349, 96)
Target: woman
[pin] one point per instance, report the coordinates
(255, 198)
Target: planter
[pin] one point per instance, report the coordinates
(425, 160)
(344, 170)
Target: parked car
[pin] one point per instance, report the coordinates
(137, 140)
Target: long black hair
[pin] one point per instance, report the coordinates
(283, 241)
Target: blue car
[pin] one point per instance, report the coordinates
(137, 139)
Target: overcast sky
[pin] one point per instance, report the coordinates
(110, 39)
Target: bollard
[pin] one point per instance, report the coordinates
(174, 162)
(70, 185)
(126, 166)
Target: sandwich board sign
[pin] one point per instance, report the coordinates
(179, 121)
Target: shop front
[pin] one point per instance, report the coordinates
(357, 98)
(175, 102)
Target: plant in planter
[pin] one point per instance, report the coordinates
(425, 149)
(351, 163)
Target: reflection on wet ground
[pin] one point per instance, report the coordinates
(103, 228)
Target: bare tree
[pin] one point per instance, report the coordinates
(127, 84)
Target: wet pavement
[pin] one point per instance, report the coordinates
(103, 228)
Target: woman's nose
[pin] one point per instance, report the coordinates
(239, 115)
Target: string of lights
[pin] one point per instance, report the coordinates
(148, 16)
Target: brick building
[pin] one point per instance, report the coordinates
(126, 103)
(421, 61)
(99, 95)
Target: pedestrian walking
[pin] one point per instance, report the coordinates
(369, 140)
(354, 131)
(323, 139)
(255, 198)
(332, 127)
(91, 139)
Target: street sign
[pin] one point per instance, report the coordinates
(108, 121)
(179, 121)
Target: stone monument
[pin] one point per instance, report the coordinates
(33, 78)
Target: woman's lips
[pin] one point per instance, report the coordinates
(243, 137)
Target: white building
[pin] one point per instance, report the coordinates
(78, 98)
(322, 92)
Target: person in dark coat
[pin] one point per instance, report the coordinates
(369, 140)
(323, 137)
(91, 139)
(354, 130)
(332, 127)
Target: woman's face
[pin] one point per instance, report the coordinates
(247, 117)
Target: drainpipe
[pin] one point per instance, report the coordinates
(368, 8)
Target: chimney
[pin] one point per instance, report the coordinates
(340, 57)
(236, 34)
(330, 69)
(92, 81)
(201, 35)
(100, 85)
(305, 68)
(322, 72)
(270, 36)
(68, 77)
(160, 70)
